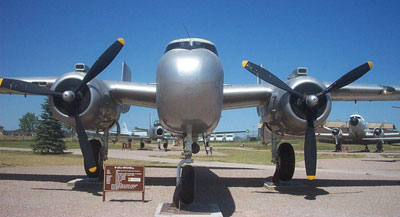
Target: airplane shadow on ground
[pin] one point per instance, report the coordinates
(312, 189)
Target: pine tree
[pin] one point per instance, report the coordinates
(49, 135)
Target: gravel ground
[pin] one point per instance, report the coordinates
(367, 186)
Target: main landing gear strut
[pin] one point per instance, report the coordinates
(185, 176)
(283, 158)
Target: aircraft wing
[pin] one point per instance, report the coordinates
(384, 138)
(124, 93)
(45, 82)
(365, 92)
(243, 96)
(132, 93)
(329, 134)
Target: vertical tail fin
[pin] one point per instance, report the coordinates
(126, 72)
(126, 76)
(124, 129)
(150, 121)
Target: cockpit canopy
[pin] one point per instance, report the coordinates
(190, 44)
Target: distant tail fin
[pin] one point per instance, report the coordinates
(124, 128)
(150, 121)
(126, 72)
(126, 76)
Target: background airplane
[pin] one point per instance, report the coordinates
(358, 133)
(189, 95)
(155, 132)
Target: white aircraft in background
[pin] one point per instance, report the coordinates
(358, 133)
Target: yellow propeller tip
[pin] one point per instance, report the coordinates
(244, 63)
(310, 177)
(93, 169)
(370, 64)
(121, 40)
(1, 80)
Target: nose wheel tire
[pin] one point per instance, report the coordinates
(96, 146)
(286, 162)
(184, 192)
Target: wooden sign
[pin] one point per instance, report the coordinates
(123, 178)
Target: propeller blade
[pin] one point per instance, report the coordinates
(268, 77)
(102, 62)
(348, 78)
(26, 87)
(310, 147)
(87, 152)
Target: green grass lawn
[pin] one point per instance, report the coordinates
(70, 144)
(261, 157)
(298, 145)
(30, 159)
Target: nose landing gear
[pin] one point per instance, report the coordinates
(185, 181)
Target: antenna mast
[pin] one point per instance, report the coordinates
(187, 32)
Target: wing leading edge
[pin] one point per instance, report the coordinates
(365, 92)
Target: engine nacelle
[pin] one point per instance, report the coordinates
(97, 110)
(282, 113)
(337, 133)
(159, 131)
(378, 132)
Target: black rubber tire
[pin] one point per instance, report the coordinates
(96, 146)
(379, 147)
(165, 146)
(287, 161)
(188, 184)
(339, 147)
(195, 148)
(142, 145)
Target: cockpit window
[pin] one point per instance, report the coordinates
(196, 44)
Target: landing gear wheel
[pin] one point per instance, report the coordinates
(96, 146)
(141, 145)
(188, 184)
(165, 146)
(286, 162)
(379, 147)
(338, 147)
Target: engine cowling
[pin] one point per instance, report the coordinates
(159, 131)
(378, 132)
(97, 110)
(284, 113)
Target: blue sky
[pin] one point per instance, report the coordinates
(46, 38)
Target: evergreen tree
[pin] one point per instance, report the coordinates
(49, 135)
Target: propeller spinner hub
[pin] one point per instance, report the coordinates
(68, 96)
(312, 101)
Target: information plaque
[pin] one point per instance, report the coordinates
(123, 178)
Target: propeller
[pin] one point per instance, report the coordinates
(73, 98)
(309, 104)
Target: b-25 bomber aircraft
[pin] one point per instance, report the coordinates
(189, 95)
(359, 133)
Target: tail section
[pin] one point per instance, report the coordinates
(124, 129)
(126, 76)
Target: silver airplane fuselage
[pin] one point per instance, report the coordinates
(357, 127)
(189, 91)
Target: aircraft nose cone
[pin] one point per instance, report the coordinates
(335, 132)
(353, 121)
